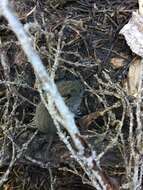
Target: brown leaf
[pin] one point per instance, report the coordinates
(133, 79)
(8, 187)
(117, 62)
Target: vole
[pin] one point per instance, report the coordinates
(71, 91)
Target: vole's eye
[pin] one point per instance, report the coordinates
(67, 96)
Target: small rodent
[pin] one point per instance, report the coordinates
(71, 92)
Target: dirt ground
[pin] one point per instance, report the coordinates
(88, 31)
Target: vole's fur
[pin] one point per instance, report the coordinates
(71, 92)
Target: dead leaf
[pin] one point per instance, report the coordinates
(131, 84)
(133, 33)
(117, 62)
(88, 119)
(8, 187)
